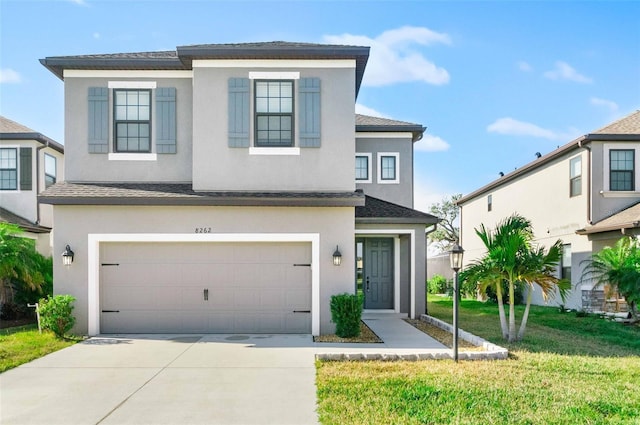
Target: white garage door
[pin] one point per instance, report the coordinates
(205, 287)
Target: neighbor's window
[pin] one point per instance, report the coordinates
(489, 203)
(575, 176)
(362, 167)
(132, 112)
(8, 169)
(621, 169)
(274, 113)
(565, 271)
(49, 170)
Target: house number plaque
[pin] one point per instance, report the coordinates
(203, 229)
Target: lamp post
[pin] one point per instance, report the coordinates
(455, 257)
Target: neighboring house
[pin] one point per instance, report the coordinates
(586, 193)
(29, 163)
(211, 188)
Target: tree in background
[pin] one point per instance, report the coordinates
(512, 258)
(619, 268)
(447, 232)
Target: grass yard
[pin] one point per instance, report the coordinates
(567, 370)
(23, 344)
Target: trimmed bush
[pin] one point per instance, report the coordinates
(56, 314)
(346, 313)
(437, 284)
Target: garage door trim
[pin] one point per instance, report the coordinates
(95, 239)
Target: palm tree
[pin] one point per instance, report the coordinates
(619, 267)
(510, 259)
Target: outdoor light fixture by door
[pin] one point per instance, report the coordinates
(67, 256)
(455, 257)
(337, 257)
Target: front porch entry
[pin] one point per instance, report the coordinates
(375, 272)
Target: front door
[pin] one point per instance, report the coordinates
(378, 276)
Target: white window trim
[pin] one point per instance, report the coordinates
(132, 156)
(95, 240)
(571, 161)
(282, 151)
(379, 171)
(17, 148)
(132, 84)
(607, 192)
(274, 75)
(369, 167)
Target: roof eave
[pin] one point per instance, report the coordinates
(417, 131)
(34, 136)
(392, 220)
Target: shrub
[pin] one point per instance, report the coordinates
(437, 284)
(56, 314)
(468, 288)
(346, 313)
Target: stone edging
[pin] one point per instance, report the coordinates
(493, 351)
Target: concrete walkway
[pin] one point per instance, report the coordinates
(186, 379)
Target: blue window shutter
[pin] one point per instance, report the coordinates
(98, 120)
(239, 112)
(26, 160)
(166, 120)
(309, 112)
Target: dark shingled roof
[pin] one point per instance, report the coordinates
(11, 130)
(7, 216)
(378, 211)
(629, 218)
(66, 193)
(182, 58)
(366, 123)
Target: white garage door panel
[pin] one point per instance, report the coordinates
(160, 287)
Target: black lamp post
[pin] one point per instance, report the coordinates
(455, 257)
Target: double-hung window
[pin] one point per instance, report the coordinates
(132, 113)
(8, 169)
(49, 170)
(388, 168)
(621, 170)
(274, 113)
(363, 168)
(575, 176)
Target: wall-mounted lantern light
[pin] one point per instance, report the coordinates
(337, 257)
(67, 256)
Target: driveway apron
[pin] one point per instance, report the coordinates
(166, 379)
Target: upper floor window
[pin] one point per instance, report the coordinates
(621, 169)
(8, 169)
(49, 170)
(575, 176)
(274, 113)
(388, 168)
(363, 168)
(489, 202)
(132, 113)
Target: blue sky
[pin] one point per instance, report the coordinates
(494, 82)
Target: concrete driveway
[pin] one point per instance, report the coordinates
(166, 379)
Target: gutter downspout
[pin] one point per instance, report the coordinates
(589, 203)
(427, 232)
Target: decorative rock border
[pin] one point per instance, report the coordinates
(493, 351)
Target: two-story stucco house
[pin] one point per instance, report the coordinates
(213, 189)
(586, 193)
(30, 162)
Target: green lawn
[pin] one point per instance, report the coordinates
(567, 370)
(21, 345)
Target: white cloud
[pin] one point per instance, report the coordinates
(365, 110)
(564, 71)
(393, 60)
(509, 126)
(425, 194)
(611, 105)
(431, 143)
(96, 35)
(524, 66)
(78, 2)
(8, 75)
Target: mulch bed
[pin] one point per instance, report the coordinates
(366, 337)
(441, 335)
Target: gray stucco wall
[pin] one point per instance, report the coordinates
(400, 193)
(218, 167)
(75, 223)
(83, 166)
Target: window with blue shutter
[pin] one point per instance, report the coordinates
(309, 112)
(26, 161)
(238, 113)
(98, 120)
(166, 120)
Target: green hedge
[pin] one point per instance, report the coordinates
(346, 313)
